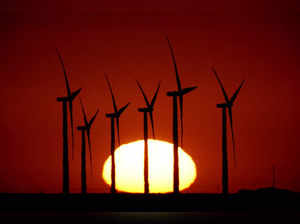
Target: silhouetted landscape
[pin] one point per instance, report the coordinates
(247, 206)
(245, 200)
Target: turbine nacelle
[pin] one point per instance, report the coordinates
(62, 99)
(81, 128)
(172, 93)
(86, 127)
(69, 98)
(227, 104)
(145, 109)
(222, 105)
(111, 115)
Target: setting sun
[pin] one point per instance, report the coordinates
(130, 167)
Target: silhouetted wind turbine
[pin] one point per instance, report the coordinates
(66, 99)
(224, 106)
(85, 129)
(178, 93)
(148, 109)
(115, 115)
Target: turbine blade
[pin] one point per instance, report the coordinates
(93, 118)
(112, 94)
(181, 117)
(64, 71)
(122, 109)
(221, 85)
(187, 90)
(84, 114)
(152, 123)
(232, 134)
(144, 95)
(155, 95)
(72, 129)
(74, 94)
(175, 65)
(118, 129)
(232, 99)
(90, 148)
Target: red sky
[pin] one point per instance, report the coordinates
(255, 40)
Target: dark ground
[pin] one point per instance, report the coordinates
(260, 206)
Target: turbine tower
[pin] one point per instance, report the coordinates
(114, 116)
(148, 109)
(85, 129)
(64, 100)
(227, 105)
(179, 93)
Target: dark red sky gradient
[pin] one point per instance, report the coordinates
(255, 40)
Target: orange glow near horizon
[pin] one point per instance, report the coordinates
(130, 167)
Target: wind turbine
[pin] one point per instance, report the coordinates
(179, 93)
(85, 129)
(66, 99)
(148, 109)
(114, 116)
(227, 105)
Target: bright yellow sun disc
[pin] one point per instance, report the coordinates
(129, 160)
